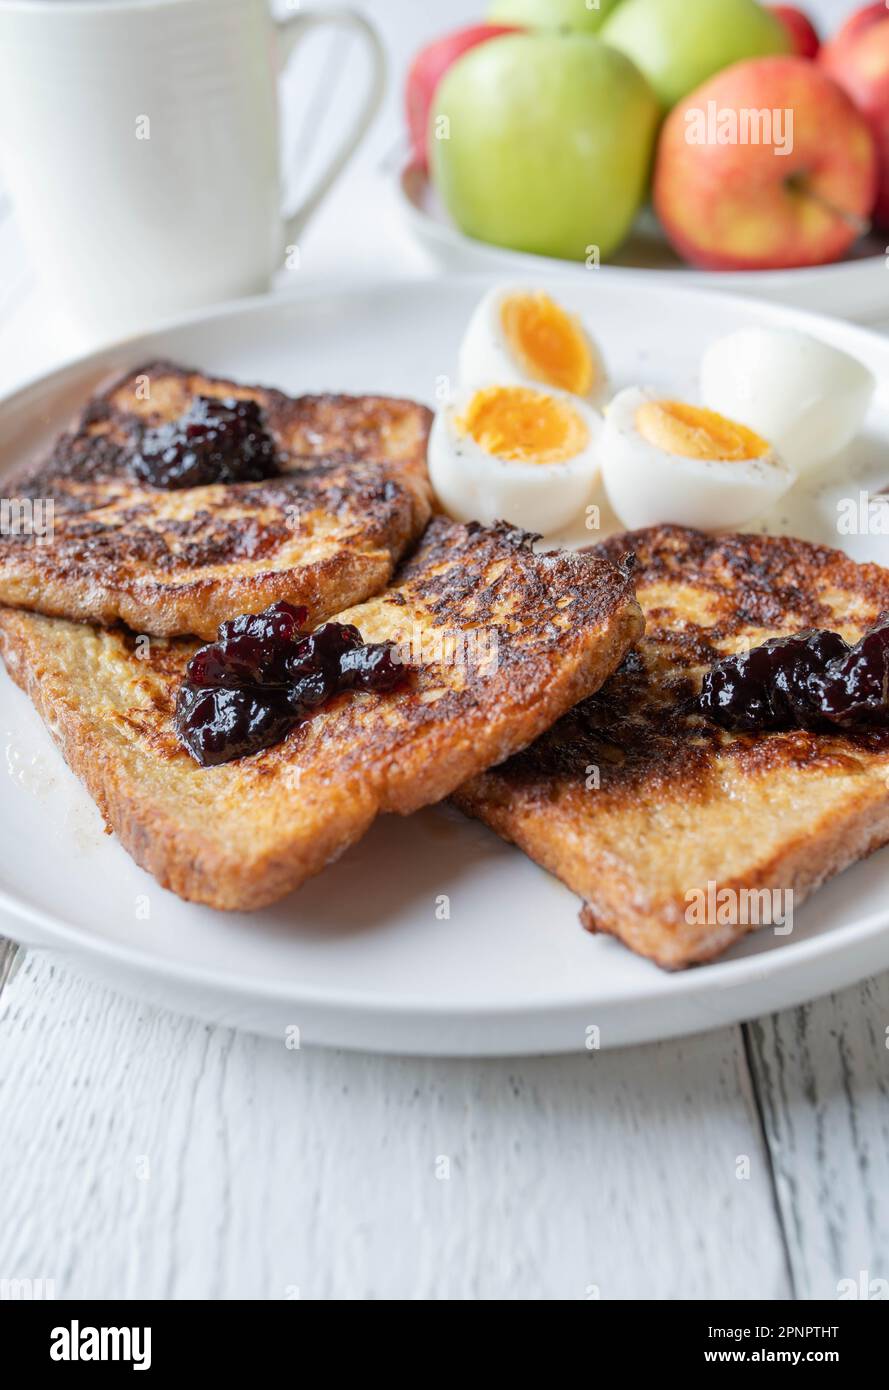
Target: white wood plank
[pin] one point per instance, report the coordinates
(10, 959)
(822, 1073)
(272, 1170)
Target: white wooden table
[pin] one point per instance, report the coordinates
(145, 1155)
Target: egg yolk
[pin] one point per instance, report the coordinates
(695, 433)
(521, 425)
(549, 344)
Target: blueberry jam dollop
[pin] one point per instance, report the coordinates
(813, 680)
(263, 675)
(215, 441)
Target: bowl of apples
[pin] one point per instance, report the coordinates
(721, 142)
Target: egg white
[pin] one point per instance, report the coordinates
(473, 485)
(648, 486)
(487, 358)
(805, 397)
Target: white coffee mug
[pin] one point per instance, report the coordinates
(139, 139)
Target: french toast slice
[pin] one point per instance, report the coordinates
(501, 641)
(647, 811)
(351, 498)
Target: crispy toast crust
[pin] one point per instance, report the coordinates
(680, 803)
(242, 835)
(352, 498)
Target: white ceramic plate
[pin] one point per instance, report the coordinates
(856, 288)
(359, 957)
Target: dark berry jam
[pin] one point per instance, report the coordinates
(282, 622)
(813, 680)
(215, 441)
(217, 725)
(263, 675)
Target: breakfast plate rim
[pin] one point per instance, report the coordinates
(690, 983)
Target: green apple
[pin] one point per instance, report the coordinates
(679, 44)
(551, 14)
(543, 142)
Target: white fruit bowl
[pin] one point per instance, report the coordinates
(856, 288)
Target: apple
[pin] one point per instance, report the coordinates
(551, 14)
(860, 19)
(678, 44)
(427, 70)
(858, 58)
(803, 34)
(543, 142)
(742, 205)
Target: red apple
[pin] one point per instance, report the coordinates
(427, 70)
(860, 19)
(729, 200)
(803, 34)
(858, 58)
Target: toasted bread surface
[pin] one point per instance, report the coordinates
(641, 806)
(502, 642)
(352, 497)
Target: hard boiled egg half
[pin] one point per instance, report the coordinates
(666, 461)
(515, 453)
(522, 336)
(808, 398)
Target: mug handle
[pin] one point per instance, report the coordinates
(291, 29)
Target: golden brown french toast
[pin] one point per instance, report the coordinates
(351, 497)
(665, 823)
(501, 641)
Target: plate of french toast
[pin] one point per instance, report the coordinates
(454, 667)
